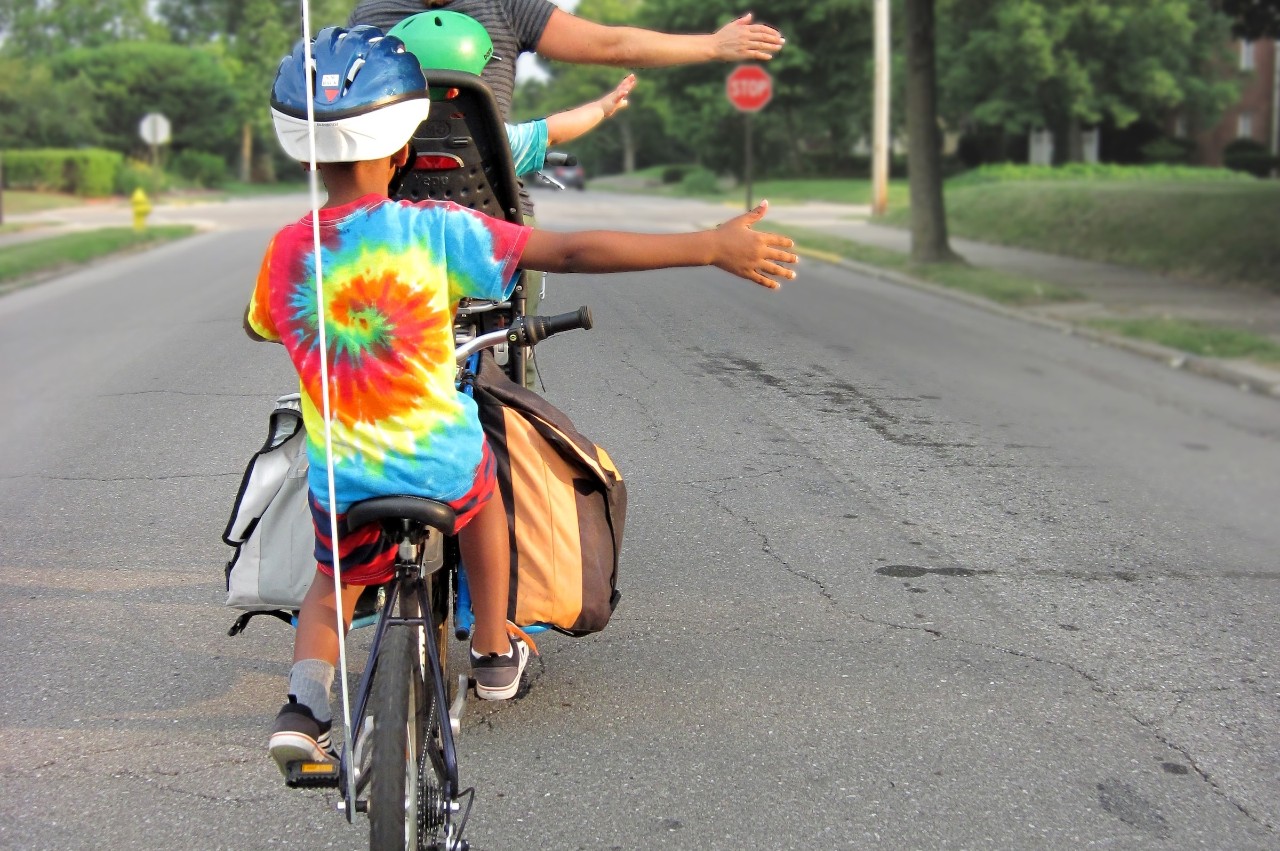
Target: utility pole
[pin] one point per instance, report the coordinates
(880, 114)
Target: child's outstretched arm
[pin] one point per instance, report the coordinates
(572, 123)
(734, 247)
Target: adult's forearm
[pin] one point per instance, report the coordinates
(571, 39)
(638, 48)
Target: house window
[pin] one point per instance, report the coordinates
(1246, 55)
(1180, 126)
(1244, 125)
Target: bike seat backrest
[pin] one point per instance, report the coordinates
(462, 151)
(415, 509)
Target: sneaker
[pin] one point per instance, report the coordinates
(298, 737)
(498, 677)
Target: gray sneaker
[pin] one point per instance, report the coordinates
(498, 677)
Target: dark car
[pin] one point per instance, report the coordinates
(572, 176)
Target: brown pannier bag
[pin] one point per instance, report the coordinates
(566, 506)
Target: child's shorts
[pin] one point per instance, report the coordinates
(366, 555)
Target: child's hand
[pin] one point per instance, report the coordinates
(752, 255)
(617, 99)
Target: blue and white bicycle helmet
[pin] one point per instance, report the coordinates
(370, 95)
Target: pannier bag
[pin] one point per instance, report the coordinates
(270, 526)
(566, 504)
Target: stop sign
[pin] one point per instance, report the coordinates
(749, 88)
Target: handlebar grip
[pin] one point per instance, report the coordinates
(539, 328)
(558, 158)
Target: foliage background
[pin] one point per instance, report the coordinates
(77, 73)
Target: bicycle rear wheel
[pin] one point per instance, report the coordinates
(413, 794)
(397, 738)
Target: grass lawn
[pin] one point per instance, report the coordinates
(23, 261)
(1198, 338)
(1014, 290)
(17, 201)
(1213, 231)
(780, 191)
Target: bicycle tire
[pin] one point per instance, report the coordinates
(397, 743)
(438, 781)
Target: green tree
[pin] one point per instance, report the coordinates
(37, 28)
(821, 86)
(1018, 65)
(191, 87)
(38, 110)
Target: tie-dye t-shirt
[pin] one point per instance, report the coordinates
(393, 274)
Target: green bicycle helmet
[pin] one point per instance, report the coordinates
(446, 41)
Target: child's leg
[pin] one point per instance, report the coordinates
(301, 730)
(317, 635)
(485, 552)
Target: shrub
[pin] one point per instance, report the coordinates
(1169, 150)
(1249, 156)
(86, 171)
(200, 168)
(699, 181)
(139, 175)
(674, 173)
(1103, 172)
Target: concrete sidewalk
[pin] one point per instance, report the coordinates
(1111, 292)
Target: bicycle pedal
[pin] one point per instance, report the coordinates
(311, 775)
(459, 704)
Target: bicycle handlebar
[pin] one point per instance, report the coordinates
(527, 331)
(539, 328)
(557, 158)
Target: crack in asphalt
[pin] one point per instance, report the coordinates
(1111, 696)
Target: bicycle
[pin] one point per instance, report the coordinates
(403, 769)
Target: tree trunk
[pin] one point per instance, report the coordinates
(924, 144)
(246, 152)
(628, 144)
(1075, 141)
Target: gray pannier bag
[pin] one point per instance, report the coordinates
(270, 526)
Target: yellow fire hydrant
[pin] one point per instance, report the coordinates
(141, 209)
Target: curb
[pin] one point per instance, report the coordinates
(1173, 358)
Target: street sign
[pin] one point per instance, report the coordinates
(154, 129)
(749, 88)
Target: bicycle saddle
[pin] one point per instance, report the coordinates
(417, 509)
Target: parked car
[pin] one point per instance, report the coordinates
(572, 176)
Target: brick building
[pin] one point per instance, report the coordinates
(1256, 115)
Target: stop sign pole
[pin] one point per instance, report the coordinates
(749, 88)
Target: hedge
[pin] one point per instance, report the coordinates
(91, 172)
(1013, 173)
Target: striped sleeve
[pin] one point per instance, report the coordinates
(528, 145)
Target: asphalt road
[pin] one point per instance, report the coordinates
(899, 573)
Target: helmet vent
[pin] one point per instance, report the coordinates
(355, 69)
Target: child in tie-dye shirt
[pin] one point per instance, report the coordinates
(392, 275)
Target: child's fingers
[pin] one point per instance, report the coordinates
(763, 281)
(777, 254)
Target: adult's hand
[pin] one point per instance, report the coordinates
(740, 40)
